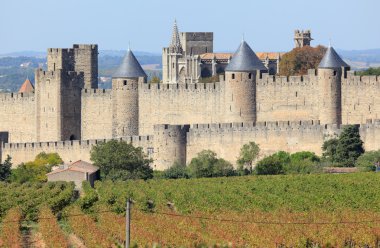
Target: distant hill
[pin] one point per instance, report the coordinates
(361, 59)
(42, 54)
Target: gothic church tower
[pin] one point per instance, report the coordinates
(170, 58)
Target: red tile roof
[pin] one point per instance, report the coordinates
(26, 87)
(216, 55)
(79, 166)
(270, 55)
(261, 55)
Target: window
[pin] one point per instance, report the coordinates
(296, 93)
(125, 82)
(233, 75)
(250, 75)
(334, 73)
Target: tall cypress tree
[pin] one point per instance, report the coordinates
(349, 146)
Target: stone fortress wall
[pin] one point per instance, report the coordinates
(174, 121)
(170, 143)
(17, 116)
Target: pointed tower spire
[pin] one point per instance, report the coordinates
(130, 67)
(332, 60)
(175, 46)
(26, 87)
(244, 59)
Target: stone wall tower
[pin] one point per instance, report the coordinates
(125, 97)
(241, 77)
(302, 38)
(331, 70)
(170, 144)
(58, 98)
(170, 58)
(86, 61)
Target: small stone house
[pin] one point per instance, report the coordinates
(76, 172)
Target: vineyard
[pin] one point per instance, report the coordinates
(271, 211)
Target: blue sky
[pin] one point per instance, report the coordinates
(147, 24)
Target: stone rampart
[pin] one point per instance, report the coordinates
(17, 115)
(96, 114)
(68, 150)
(180, 104)
(287, 98)
(226, 139)
(360, 99)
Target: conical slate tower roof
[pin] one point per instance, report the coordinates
(26, 87)
(130, 67)
(175, 45)
(245, 60)
(332, 60)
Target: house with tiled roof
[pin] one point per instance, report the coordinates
(76, 172)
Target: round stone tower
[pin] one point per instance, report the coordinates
(125, 100)
(330, 72)
(241, 76)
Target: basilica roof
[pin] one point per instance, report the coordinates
(332, 60)
(244, 59)
(130, 67)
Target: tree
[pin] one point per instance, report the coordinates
(369, 71)
(299, 60)
(5, 169)
(248, 153)
(304, 162)
(271, 165)
(350, 146)
(345, 150)
(329, 150)
(177, 170)
(206, 164)
(35, 171)
(367, 160)
(121, 160)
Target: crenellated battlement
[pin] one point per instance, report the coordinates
(303, 80)
(17, 96)
(361, 80)
(75, 143)
(96, 92)
(86, 46)
(277, 125)
(182, 87)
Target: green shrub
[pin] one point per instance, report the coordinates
(270, 165)
(119, 160)
(367, 160)
(177, 170)
(206, 164)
